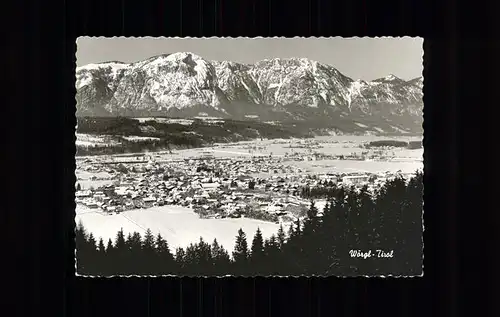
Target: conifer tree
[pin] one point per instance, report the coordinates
(134, 260)
(128, 240)
(257, 250)
(120, 240)
(312, 212)
(203, 253)
(324, 237)
(82, 259)
(293, 250)
(240, 253)
(273, 264)
(93, 256)
(291, 231)
(100, 247)
(311, 245)
(220, 258)
(393, 204)
(180, 260)
(333, 227)
(110, 256)
(109, 246)
(120, 265)
(191, 260)
(101, 258)
(273, 244)
(281, 237)
(92, 242)
(165, 259)
(149, 241)
(365, 217)
(411, 226)
(390, 203)
(148, 253)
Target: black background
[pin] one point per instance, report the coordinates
(460, 97)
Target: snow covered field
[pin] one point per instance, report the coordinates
(408, 161)
(134, 138)
(83, 139)
(212, 120)
(179, 225)
(330, 145)
(399, 158)
(346, 166)
(166, 120)
(88, 179)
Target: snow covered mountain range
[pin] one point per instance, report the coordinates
(186, 85)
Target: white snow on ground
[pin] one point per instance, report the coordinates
(85, 180)
(398, 129)
(89, 184)
(139, 138)
(161, 120)
(320, 204)
(83, 139)
(378, 129)
(241, 153)
(210, 119)
(360, 125)
(348, 166)
(165, 120)
(84, 143)
(89, 138)
(87, 175)
(181, 121)
(180, 226)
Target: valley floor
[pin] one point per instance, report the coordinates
(298, 162)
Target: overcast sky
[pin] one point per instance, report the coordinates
(358, 58)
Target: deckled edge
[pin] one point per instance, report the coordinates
(424, 61)
(255, 276)
(245, 37)
(73, 158)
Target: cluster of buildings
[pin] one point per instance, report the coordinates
(258, 187)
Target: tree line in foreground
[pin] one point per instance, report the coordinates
(330, 242)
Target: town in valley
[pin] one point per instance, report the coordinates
(249, 157)
(245, 179)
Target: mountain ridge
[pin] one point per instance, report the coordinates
(184, 84)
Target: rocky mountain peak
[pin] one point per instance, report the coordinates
(185, 84)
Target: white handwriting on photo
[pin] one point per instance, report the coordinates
(370, 254)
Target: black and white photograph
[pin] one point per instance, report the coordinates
(249, 157)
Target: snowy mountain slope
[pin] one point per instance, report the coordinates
(186, 85)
